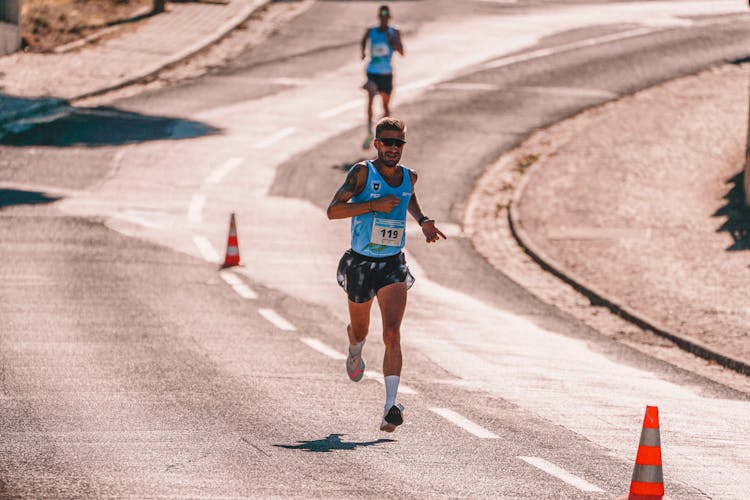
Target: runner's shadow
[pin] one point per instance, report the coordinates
(330, 443)
(737, 214)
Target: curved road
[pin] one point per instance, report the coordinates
(132, 367)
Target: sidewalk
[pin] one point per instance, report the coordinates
(638, 204)
(32, 84)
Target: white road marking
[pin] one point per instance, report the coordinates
(206, 248)
(465, 423)
(466, 86)
(238, 285)
(570, 91)
(419, 84)
(295, 82)
(195, 210)
(561, 474)
(323, 348)
(222, 170)
(536, 54)
(341, 108)
(377, 376)
(274, 138)
(277, 320)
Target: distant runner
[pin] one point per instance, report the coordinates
(383, 40)
(377, 195)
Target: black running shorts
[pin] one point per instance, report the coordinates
(361, 277)
(383, 82)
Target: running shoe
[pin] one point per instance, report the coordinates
(392, 418)
(368, 142)
(355, 367)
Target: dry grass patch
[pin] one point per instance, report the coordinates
(51, 23)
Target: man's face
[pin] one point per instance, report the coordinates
(390, 146)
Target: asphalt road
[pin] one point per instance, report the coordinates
(132, 367)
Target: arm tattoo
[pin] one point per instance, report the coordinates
(349, 188)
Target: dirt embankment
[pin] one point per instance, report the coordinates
(47, 24)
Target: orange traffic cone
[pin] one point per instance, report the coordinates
(648, 480)
(233, 250)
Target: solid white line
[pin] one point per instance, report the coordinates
(238, 285)
(570, 91)
(222, 170)
(206, 248)
(402, 388)
(274, 138)
(561, 474)
(322, 348)
(340, 109)
(195, 210)
(466, 86)
(536, 54)
(465, 423)
(277, 320)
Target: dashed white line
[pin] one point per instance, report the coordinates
(340, 109)
(274, 317)
(323, 348)
(465, 423)
(402, 388)
(222, 170)
(274, 138)
(195, 211)
(561, 474)
(206, 248)
(238, 285)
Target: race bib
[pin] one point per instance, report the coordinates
(380, 50)
(387, 232)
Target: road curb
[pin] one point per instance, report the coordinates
(598, 298)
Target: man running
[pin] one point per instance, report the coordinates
(383, 40)
(377, 195)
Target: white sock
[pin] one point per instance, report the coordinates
(369, 128)
(356, 349)
(391, 389)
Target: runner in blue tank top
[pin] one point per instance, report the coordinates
(383, 41)
(377, 195)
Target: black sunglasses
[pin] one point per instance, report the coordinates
(388, 142)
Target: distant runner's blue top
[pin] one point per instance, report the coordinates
(380, 234)
(380, 51)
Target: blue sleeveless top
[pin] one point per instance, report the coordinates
(380, 234)
(380, 51)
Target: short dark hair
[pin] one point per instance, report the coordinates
(384, 11)
(389, 123)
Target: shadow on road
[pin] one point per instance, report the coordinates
(103, 126)
(331, 443)
(737, 214)
(10, 197)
